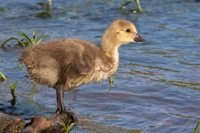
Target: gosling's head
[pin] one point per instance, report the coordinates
(123, 32)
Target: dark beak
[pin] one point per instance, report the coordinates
(138, 39)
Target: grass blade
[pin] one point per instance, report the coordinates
(2, 76)
(9, 39)
(125, 4)
(24, 35)
(12, 91)
(39, 40)
(26, 40)
(197, 128)
(69, 127)
(139, 6)
(34, 35)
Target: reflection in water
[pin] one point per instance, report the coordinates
(157, 76)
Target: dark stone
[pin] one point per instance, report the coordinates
(39, 124)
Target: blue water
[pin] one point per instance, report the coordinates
(157, 88)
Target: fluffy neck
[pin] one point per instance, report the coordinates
(110, 47)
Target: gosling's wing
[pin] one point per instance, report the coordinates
(80, 64)
(63, 59)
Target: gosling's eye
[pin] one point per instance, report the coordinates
(128, 30)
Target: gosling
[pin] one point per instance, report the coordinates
(65, 64)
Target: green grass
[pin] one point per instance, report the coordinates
(2, 8)
(20, 66)
(25, 39)
(47, 7)
(68, 126)
(111, 79)
(139, 6)
(2, 76)
(12, 91)
(197, 128)
(124, 8)
(44, 15)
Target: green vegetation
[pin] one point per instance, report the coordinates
(2, 76)
(197, 128)
(98, 36)
(111, 79)
(12, 88)
(139, 6)
(69, 125)
(124, 7)
(20, 66)
(47, 13)
(2, 8)
(26, 40)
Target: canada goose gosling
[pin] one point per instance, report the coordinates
(68, 63)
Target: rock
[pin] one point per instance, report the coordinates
(39, 124)
(10, 124)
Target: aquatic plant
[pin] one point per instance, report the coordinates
(12, 90)
(68, 128)
(111, 79)
(98, 36)
(197, 128)
(139, 6)
(26, 40)
(69, 125)
(2, 8)
(20, 66)
(124, 7)
(35, 89)
(47, 13)
(2, 76)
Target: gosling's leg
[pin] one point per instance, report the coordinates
(60, 105)
(60, 100)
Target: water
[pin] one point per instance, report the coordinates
(157, 88)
